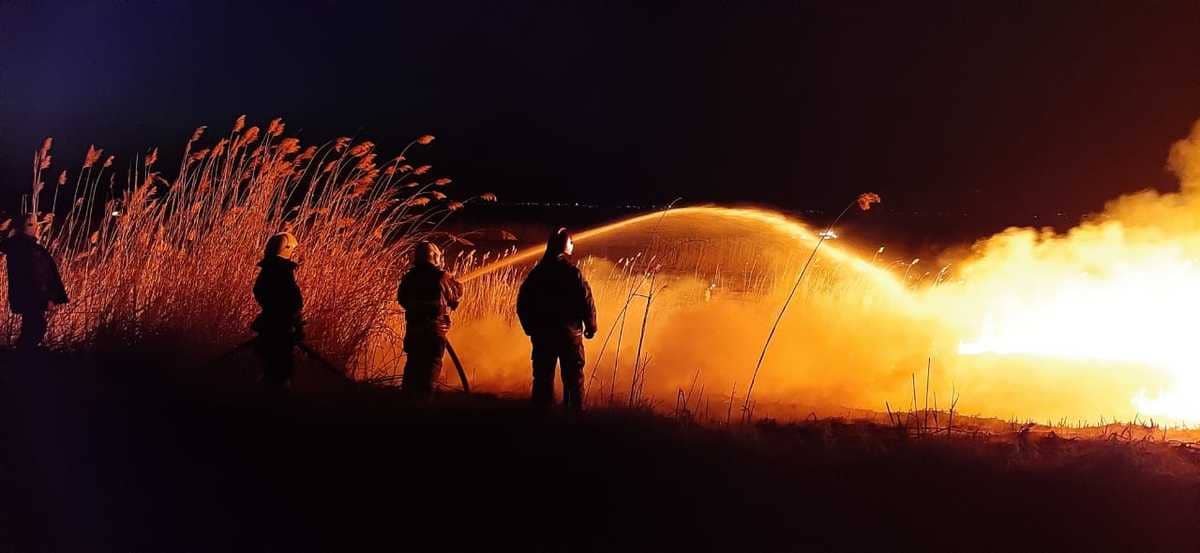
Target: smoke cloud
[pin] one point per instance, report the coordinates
(1030, 323)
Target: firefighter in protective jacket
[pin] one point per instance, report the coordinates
(557, 312)
(428, 294)
(280, 326)
(34, 285)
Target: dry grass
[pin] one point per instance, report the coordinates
(695, 271)
(152, 261)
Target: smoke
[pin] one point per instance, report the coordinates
(852, 337)
(1109, 304)
(1093, 322)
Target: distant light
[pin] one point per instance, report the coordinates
(827, 235)
(116, 213)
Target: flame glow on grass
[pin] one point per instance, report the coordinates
(1097, 321)
(166, 264)
(1130, 301)
(1121, 288)
(854, 337)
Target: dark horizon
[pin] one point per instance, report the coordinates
(990, 114)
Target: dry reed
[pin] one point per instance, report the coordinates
(167, 264)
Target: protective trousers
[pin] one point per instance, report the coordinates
(425, 348)
(33, 329)
(278, 362)
(565, 350)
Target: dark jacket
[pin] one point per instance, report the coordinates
(33, 279)
(428, 295)
(555, 298)
(277, 293)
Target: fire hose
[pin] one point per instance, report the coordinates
(312, 354)
(462, 374)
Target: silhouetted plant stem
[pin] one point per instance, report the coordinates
(630, 295)
(762, 355)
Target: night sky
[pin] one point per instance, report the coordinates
(1001, 112)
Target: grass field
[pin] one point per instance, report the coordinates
(157, 257)
(162, 260)
(138, 435)
(110, 454)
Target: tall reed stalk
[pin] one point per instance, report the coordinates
(864, 202)
(167, 263)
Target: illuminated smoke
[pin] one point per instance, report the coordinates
(1120, 290)
(1096, 321)
(725, 272)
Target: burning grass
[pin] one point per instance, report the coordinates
(686, 299)
(693, 291)
(861, 329)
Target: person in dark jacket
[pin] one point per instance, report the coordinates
(557, 311)
(280, 325)
(34, 285)
(428, 294)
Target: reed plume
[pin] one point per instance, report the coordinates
(170, 262)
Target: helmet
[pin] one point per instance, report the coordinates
(427, 253)
(560, 242)
(282, 245)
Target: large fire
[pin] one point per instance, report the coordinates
(1093, 322)
(1121, 288)
(1134, 308)
(1090, 323)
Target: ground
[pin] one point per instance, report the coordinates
(102, 454)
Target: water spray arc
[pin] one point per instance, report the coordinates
(721, 266)
(1096, 319)
(730, 270)
(864, 202)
